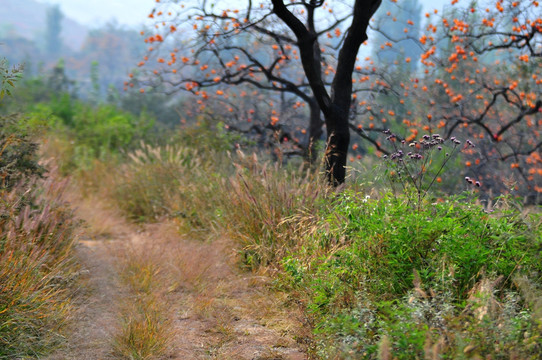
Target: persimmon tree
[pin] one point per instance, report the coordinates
(336, 103)
(379, 100)
(490, 77)
(246, 76)
(479, 79)
(226, 47)
(225, 62)
(478, 75)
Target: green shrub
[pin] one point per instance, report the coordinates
(90, 133)
(375, 268)
(208, 137)
(8, 78)
(18, 152)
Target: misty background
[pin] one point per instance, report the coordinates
(87, 47)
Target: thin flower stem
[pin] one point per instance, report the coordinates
(440, 169)
(417, 165)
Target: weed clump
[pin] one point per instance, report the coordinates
(258, 200)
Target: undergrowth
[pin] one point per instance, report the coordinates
(37, 270)
(446, 281)
(257, 200)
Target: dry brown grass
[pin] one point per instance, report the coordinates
(37, 269)
(145, 331)
(257, 203)
(233, 312)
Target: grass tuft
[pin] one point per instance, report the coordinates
(145, 330)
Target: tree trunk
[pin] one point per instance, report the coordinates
(315, 132)
(338, 140)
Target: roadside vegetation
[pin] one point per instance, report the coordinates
(377, 272)
(37, 234)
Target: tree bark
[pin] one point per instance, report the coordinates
(315, 131)
(338, 141)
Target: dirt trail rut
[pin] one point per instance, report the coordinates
(95, 316)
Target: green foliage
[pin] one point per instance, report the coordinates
(91, 133)
(375, 267)
(8, 77)
(206, 136)
(106, 129)
(18, 158)
(152, 103)
(61, 106)
(28, 92)
(18, 151)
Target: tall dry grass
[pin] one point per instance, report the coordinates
(146, 328)
(207, 190)
(259, 201)
(172, 181)
(207, 193)
(37, 271)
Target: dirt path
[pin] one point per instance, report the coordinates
(212, 309)
(95, 315)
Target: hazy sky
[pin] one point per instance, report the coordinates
(134, 12)
(98, 12)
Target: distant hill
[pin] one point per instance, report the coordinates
(26, 18)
